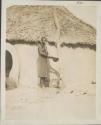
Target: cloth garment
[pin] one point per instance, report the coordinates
(43, 61)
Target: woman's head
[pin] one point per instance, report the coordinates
(44, 40)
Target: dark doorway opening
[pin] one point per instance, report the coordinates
(9, 63)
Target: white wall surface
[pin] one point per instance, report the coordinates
(28, 64)
(77, 66)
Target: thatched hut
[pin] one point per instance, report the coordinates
(75, 40)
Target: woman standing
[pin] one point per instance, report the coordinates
(43, 63)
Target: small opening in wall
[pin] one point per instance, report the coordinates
(9, 63)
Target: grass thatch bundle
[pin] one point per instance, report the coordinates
(30, 23)
(81, 45)
(13, 42)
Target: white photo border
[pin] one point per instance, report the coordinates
(7, 3)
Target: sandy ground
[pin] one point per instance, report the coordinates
(50, 104)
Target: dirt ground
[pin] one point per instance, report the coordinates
(51, 104)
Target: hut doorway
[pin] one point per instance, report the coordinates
(11, 66)
(9, 63)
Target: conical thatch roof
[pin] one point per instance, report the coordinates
(30, 23)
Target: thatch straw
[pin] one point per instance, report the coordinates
(30, 23)
(20, 41)
(52, 43)
(79, 45)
